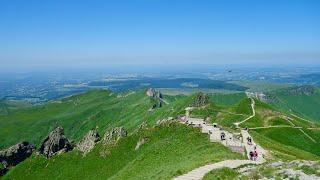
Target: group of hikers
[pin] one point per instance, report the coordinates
(253, 154)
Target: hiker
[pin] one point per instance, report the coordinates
(255, 155)
(249, 140)
(222, 136)
(251, 155)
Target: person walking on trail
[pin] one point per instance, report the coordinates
(255, 155)
(249, 140)
(251, 155)
(223, 136)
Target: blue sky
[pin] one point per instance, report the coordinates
(63, 33)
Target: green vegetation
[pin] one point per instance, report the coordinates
(80, 113)
(222, 174)
(288, 141)
(304, 104)
(225, 115)
(7, 106)
(172, 149)
(309, 170)
(226, 99)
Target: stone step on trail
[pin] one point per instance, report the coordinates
(199, 173)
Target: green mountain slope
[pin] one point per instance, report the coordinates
(293, 138)
(288, 142)
(80, 113)
(303, 101)
(171, 150)
(7, 106)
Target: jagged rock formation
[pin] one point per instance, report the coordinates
(55, 143)
(141, 141)
(88, 142)
(153, 93)
(156, 96)
(112, 136)
(200, 100)
(15, 154)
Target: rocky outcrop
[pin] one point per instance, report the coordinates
(156, 97)
(15, 154)
(200, 100)
(55, 143)
(141, 141)
(153, 93)
(112, 136)
(89, 141)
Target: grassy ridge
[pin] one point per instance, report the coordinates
(226, 99)
(289, 141)
(306, 105)
(80, 113)
(226, 115)
(171, 150)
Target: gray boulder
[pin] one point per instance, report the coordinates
(89, 141)
(55, 143)
(16, 154)
(112, 136)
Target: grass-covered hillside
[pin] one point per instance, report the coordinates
(172, 149)
(7, 106)
(289, 137)
(302, 100)
(80, 113)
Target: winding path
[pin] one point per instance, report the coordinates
(215, 136)
(253, 114)
(198, 174)
(280, 126)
